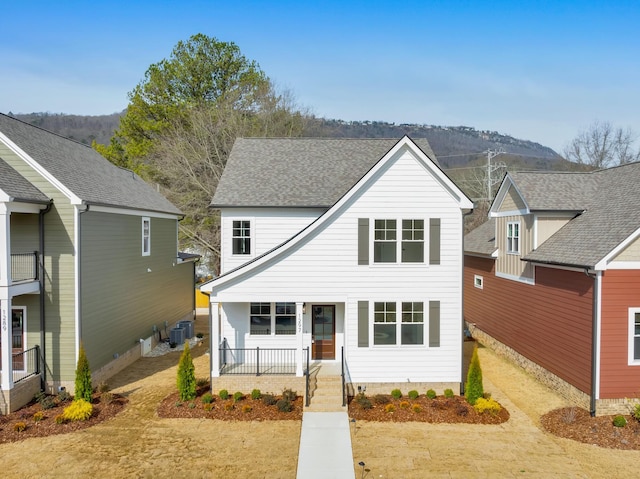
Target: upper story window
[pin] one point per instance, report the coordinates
(634, 335)
(384, 243)
(413, 241)
(146, 236)
(513, 237)
(241, 237)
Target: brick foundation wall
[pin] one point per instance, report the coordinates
(20, 395)
(266, 384)
(371, 389)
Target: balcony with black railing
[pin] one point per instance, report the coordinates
(24, 267)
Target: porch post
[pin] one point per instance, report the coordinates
(5, 252)
(299, 342)
(7, 343)
(214, 348)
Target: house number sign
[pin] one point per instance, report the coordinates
(300, 323)
(4, 320)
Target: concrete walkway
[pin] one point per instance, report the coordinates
(325, 446)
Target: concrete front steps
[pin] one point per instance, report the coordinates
(325, 393)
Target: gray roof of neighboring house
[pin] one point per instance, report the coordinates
(298, 172)
(18, 187)
(84, 171)
(608, 202)
(481, 240)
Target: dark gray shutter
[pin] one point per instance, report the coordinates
(363, 240)
(434, 324)
(363, 324)
(434, 241)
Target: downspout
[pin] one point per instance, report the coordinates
(462, 378)
(78, 286)
(594, 342)
(43, 373)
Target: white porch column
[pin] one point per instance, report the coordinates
(5, 252)
(299, 341)
(214, 348)
(7, 343)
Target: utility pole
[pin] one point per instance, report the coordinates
(491, 154)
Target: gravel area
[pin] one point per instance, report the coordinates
(163, 348)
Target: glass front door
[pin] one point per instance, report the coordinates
(323, 332)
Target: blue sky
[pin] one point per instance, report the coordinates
(540, 70)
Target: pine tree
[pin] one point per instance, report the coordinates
(83, 377)
(474, 389)
(186, 375)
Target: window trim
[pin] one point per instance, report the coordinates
(398, 322)
(399, 241)
(146, 235)
(631, 339)
(511, 237)
(244, 238)
(273, 315)
(478, 281)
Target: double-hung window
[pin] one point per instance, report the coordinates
(413, 241)
(241, 237)
(146, 236)
(384, 323)
(412, 323)
(513, 237)
(260, 318)
(634, 336)
(285, 318)
(384, 242)
(272, 318)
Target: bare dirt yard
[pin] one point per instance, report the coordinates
(139, 442)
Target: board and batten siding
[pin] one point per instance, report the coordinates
(547, 226)
(269, 227)
(509, 263)
(124, 294)
(59, 279)
(324, 268)
(620, 291)
(550, 323)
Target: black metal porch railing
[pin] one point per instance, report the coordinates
(343, 379)
(257, 361)
(26, 364)
(307, 373)
(24, 266)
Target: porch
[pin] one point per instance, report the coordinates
(19, 386)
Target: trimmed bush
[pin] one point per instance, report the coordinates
(78, 410)
(83, 377)
(619, 421)
(284, 405)
(289, 395)
(474, 389)
(396, 394)
(20, 426)
(207, 398)
(64, 396)
(413, 394)
(186, 375)
(224, 394)
(238, 396)
(448, 393)
(364, 402)
(416, 408)
(38, 416)
(45, 401)
(269, 399)
(256, 394)
(431, 394)
(389, 408)
(405, 404)
(246, 408)
(483, 405)
(60, 419)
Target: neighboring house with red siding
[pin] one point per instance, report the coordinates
(553, 281)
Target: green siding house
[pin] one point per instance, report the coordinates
(88, 254)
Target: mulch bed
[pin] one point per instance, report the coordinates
(47, 426)
(422, 409)
(245, 409)
(576, 424)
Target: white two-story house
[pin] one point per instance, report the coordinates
(340, 252)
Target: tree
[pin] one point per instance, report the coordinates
(183, 118)
(602, 145)
(83, 388)
(474, 389)
(186, 375)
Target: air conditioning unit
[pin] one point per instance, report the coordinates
(188, 328)
(176, 336)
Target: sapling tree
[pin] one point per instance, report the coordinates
(186, 375)
(83, 386)
(474, 389)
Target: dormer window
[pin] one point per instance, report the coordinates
(241, 237)
(513, 237)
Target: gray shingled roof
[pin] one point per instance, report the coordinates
(481, 240)
(608, 202)
(18, 187)
(83, 171)
(298, 172)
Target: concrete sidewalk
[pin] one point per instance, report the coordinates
(325, 446)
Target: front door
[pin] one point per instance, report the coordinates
(323, 332)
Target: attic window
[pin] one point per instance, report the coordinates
(513, 237)
(146, 236)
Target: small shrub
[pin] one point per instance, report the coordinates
(38, 416)
(416, 408)
(224, 394)
(202, 382)
(448, 393)
(396, 394)
(207, 398)
(569, 415)
(483, 405)
(404, 404)
(83, 390)
(186, 375)
(381, 399)
(289, 395)
(199, 335)
(431, 394)
(474, 389)
(246, 408)
(228, 406)
(20, 426)
(64, 396)
(60, 419)
(619, 421)
(636, 412)
(365, 403)
(107, 398)
(192, 405)
(178, 404)
(238, 396)
(45, 401)
(103, 387)
(256, 394)
(284, 405)
(208, 406)
(413, 394)
(269, 399)
(78, 410)
(389, 408)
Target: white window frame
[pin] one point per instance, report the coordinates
(233, 237)
(632, 336)
(478, 281)
(273, 315)
(146, 236)
(399, 322)
(511, 238)
(398, 240)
